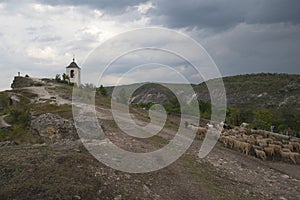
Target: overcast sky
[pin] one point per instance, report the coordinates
(39, 38)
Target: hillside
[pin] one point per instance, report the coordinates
(277, 95)
(250, 91)
(43, 158)
(259, 91)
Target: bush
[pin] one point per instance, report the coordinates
(101, 90)
(19, 116)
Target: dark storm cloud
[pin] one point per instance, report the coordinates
(256, 48)
(220, 14)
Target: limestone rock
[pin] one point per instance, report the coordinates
(20, 82)
(53, 128)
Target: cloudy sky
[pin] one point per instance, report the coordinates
(39, 37)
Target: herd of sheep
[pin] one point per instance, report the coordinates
(262, 144)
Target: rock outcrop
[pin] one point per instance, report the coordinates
(20, 82)
(53, 128)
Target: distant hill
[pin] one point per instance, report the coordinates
(277, 93)
(258, 90)
(251, 91)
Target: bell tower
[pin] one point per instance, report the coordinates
(73, 71)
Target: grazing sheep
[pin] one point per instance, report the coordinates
(285, 150)
(260, 154)
(259, 137)
(257, 147)
(236, 144)
(254, 132)
(228, 142)
(245, 147)
(277, 142)
(262, 142)
(289, 155)
(270, 151)
(276, 148)
(288, 146)
(267, 134)
(296, 146)
(244, 125)
(201, 131)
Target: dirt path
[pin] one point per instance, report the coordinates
(44, 96)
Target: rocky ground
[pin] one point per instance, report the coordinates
(62, 168)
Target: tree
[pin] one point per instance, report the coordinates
(205, 109)
(66, 78)
(263, 119)
(234, 116)
(57, 78)
(101, 90)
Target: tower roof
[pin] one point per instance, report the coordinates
(73, 64)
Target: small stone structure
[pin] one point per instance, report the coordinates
(73, 71)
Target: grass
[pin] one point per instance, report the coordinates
(64, 111)
(19, 116)
(103, 101)
(158, 141)
(43, 173)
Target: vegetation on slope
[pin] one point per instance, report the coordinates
(259, 99)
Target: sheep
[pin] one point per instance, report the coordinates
(234, 132)
(245, 147)
(288, 146)
(260, 154)
(285, 150)
(254, 132)
(276, 148)
(236, 144)
(277, 142)
(251, 141)
(201, 131)
(262, 142)
(259, 137)
(270, 151)
(269, 140)
(257, 147)
(244, 125)
(267, 134)
(228, 142)
(289, 155)
(296, 146)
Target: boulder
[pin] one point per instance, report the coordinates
(53, 128)
(13, 99)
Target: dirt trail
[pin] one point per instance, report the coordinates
(44, 95)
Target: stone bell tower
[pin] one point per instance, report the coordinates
(73, 71)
